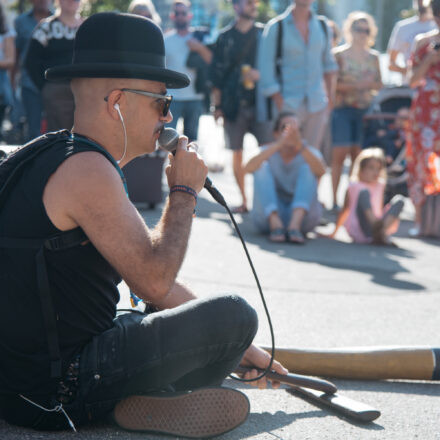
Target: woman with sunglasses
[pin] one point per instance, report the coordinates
(359, 79)
(52, 45)
(423, 130)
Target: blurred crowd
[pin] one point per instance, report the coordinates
(309, 91)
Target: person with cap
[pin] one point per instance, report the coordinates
(67, 357)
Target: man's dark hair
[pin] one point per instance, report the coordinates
(280, 117)
(435, 5)
(3, 28)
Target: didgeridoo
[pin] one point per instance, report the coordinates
(370, 363)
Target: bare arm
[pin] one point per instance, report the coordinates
(417, 72)
(315, 163)
(256, 161)
(393, 66)
(342, 217)
(278, 100)
(86, 191)
(196, 46)
(216, 99)
(8, 60)
(330, 79)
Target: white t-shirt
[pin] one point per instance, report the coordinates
(176, 52)
(404, 33)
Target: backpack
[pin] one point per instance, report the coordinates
(195, 61)
(12, 167)
(278, 55)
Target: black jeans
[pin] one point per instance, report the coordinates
(191, 346)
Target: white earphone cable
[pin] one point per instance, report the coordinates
(125, 134)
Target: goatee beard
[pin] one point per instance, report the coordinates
(246, 17)
(181, 26)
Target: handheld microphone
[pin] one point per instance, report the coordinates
(168, 140)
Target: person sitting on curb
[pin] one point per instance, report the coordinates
(286, 174)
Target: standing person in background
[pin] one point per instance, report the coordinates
(307, 69)
(423, 134)
(146, 9)
(235, 86)
(7, 59)
(30, 95)
(358, 79)
(404, 33)
(179, 43)
(326, 146)
(52, 45)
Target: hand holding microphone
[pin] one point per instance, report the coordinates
(187, 169)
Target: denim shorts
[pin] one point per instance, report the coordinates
(347, 126)
(246, 122)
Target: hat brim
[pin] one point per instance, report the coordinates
(172, 79)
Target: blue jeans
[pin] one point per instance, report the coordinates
(191, 346)
(190, 111)
(33, 107)
(347, 126)
(267, 200)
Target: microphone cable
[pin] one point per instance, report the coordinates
(168, 141)
(260, 291)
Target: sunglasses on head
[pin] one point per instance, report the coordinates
(163, 100)
(361, 30)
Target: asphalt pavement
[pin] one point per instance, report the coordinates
(327, 293)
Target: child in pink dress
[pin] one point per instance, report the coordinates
(363, 215)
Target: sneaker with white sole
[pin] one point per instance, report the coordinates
(206, 412)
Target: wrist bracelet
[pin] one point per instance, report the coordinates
(184, 189)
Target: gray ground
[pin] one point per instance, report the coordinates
(324, 294)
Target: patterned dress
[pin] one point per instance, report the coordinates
(423, 134)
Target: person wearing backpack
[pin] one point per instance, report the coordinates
(69, 234)
(298, 70)
(185, 52)
(235, 86)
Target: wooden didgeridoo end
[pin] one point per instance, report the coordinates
(370, 363)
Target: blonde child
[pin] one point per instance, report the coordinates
(363, 215)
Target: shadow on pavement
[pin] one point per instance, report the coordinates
(381, 262)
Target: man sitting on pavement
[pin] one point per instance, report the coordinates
(286, 174)
(69, 234)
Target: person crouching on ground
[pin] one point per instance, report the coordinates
(286, 174)
(363, 214)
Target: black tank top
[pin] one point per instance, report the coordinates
(82, 282)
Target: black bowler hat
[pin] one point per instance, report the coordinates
(114, 45)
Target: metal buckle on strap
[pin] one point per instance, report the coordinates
(54, 243)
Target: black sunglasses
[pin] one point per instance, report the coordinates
(164, 100)
(361, 30)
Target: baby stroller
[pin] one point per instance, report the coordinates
(384, 127)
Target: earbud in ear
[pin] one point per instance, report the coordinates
(116, 107)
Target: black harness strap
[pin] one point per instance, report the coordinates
(64, 240)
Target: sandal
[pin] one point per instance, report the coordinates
(295, 236)
(242, 209)
(277, 235)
